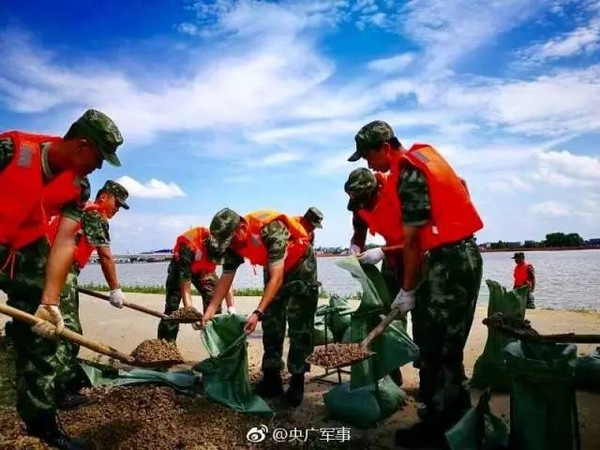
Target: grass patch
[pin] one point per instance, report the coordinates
(158, 289)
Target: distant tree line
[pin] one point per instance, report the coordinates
(552, 240)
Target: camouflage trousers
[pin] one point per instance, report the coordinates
(205, 284)
(67, 369)
(295, 306)
(35, 357)
(442, 318)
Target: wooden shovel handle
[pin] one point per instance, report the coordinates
(125, 304)
(392, 248)
(380, 328)
(69, 335)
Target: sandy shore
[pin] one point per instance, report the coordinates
(125, 329)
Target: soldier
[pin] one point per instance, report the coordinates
(311, 220)
(439, 221)
(31, 275)
(92, 234)
(375, 207)
(524, 274)
(190, 265)
(281, 244)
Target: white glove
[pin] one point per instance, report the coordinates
(231, 310)
(53, 322)
(372, 256)
(116, 298)
(405, 301)
(354, 249)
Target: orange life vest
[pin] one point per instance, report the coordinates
(22, 218)
(194, 239)
(385, 218)
(83, 249)
(256, 251)
(521, 275)
(64, 188)
(453, 215)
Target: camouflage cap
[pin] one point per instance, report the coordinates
(116, 189)
(371, 136)
(222, 229)
(314, 216)
(99, 130)
(360, 186)
(518, 255)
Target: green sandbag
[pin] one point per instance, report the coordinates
(100, 375)
(338, 321)
(489, 370)
(543, 407)
(321, 334)
(365, 406)
(225, 373)
(587, 371)
(394, 347)
(479, 429)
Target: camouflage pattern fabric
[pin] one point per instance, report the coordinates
(203, 281)
(370, 137)
(7, 151)
(67, 366)
(414, 196)
(296, 304)
(95, 227)
(118, 190)
(445, 305)
(35, 357)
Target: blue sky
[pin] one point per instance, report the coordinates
(255, 105)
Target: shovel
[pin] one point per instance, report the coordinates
(137, 307)
(86, 342)
(365, 343)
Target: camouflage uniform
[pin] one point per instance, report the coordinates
(177, 273)
(296, 302)
(445, 304)
(35, 356)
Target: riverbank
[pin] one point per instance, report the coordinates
(124, 329)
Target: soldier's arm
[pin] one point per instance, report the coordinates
(63, 248)
(231, 262)
(186, 257)
(59, 261)
(275, 236)
(96, 230)
(359, 237)
(416, 212)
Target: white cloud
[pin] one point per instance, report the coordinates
(152, 189)
(564, 168)
(550, 208)
(393, 64)
(274, 159)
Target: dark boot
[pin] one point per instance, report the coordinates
(422, 435)
(47, 428)
(295, 392)
(271, 385)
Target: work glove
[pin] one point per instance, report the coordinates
(231, 309)
(405, 301)
(197, 326)
(372, 256)
(116, 298)
(355, 249)
(53, 322)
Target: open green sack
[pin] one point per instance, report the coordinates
(338, 321)
(543, 407)
(394, 347)
(489, 370)
(225, 373)
(321, 334)
(365, 406)
(587, 371)
(479, 429)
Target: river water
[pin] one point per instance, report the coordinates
(565, 279)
